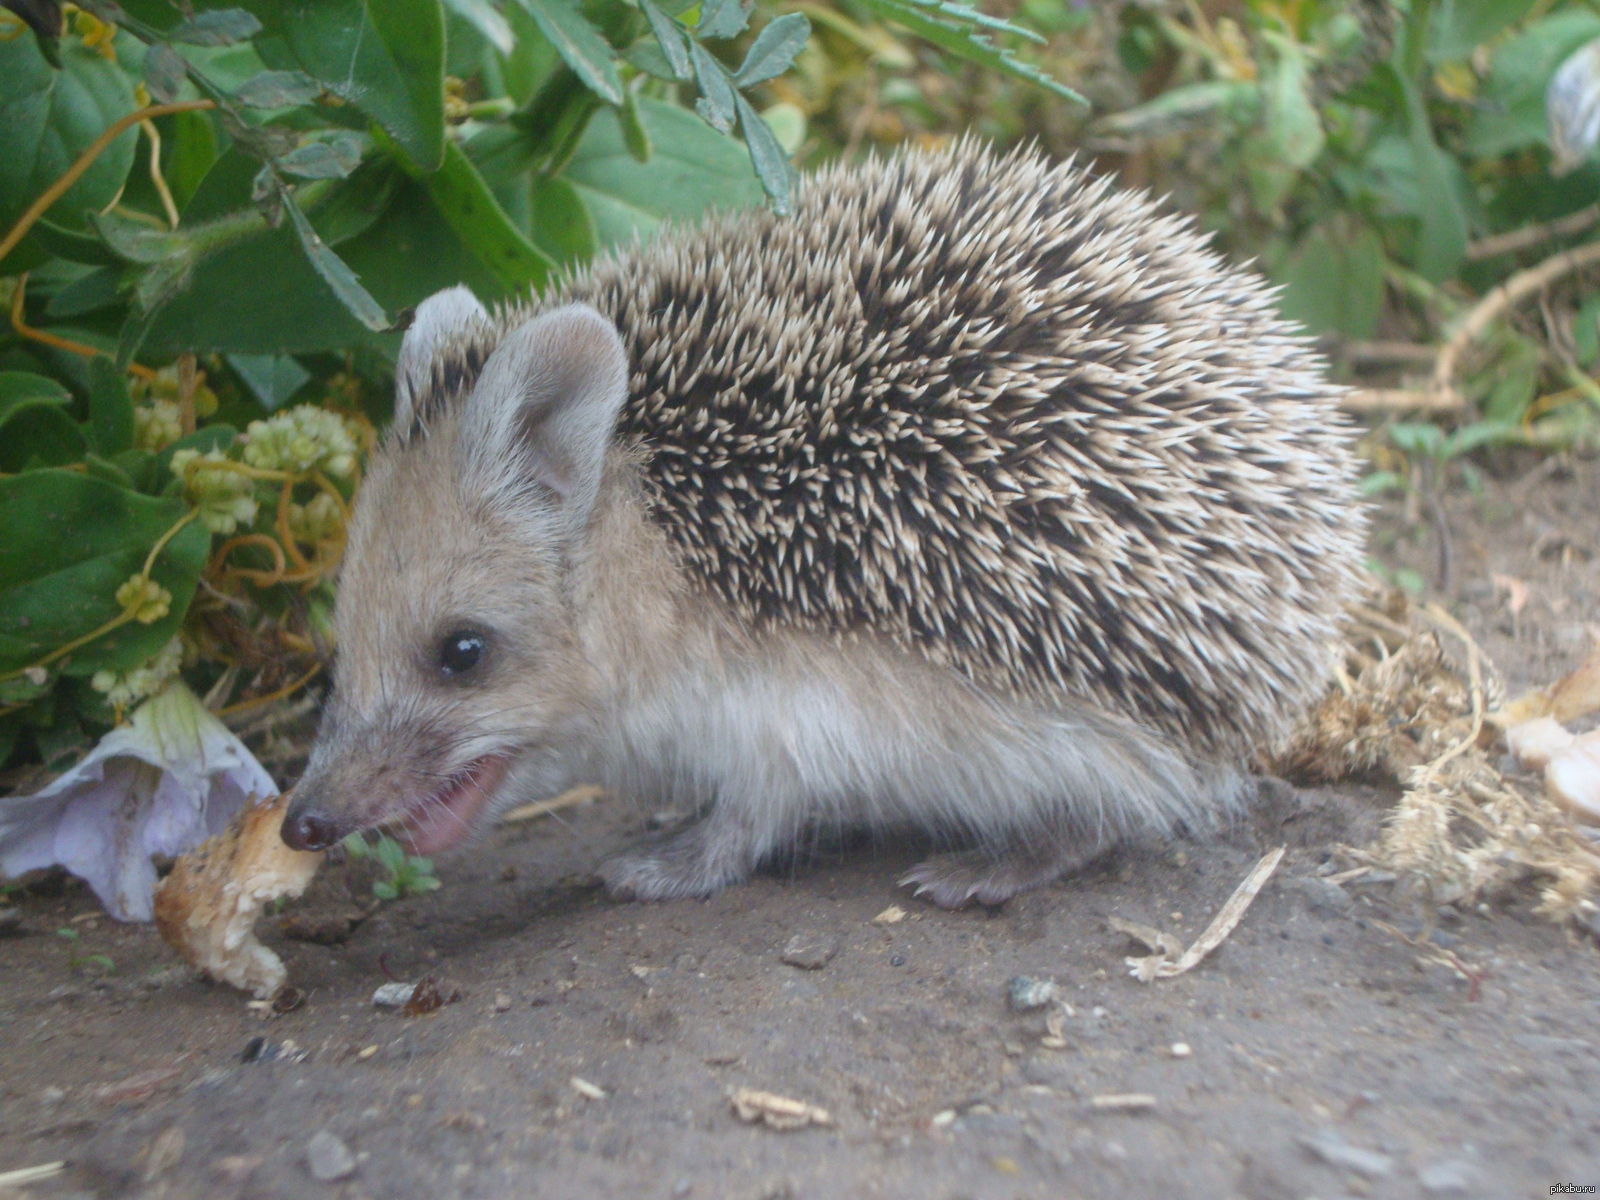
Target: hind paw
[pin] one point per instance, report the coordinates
(954, 880)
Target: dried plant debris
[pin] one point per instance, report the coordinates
(207, 908)
(777, 1112)
(1417, 699)
(1167, 961)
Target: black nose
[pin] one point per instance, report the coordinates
(309, 831)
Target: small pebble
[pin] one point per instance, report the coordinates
(502, 1002)
(328, 1158)
(810, 951)
(1448, 1177)
(1323, 896)
(1336, 1152)
(589, 1091)
(1027, 994)
(393, 995)
(1181, 1050)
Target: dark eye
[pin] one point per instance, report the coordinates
(460, 652)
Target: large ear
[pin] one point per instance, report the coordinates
(545, 408)
(442, 319)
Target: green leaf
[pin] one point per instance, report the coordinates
(1417, 437)
(1333, 281)
(774, 50)
(1443, 244)
(1480, 433)
(48, 118)
(96, 289)
(1380, 482)
(465, 201)
(562, 226)
(390, 853)
(136, 242)
(67, 542)
(486, 19)
(35, 429)
(692, 170)
(1293, 129)
(579, 44)
(110, 407)
(386, 58)
(216, 27)
(278, 89)
(723, 18)
(1185, 102)
(68, 244)
(1458, 27)
(633, 131)
(339, 277)
(772, 165)
(164, 72)
(272, 378)
(385, 891)
(950, 27)
(716, 103)
(20, 389)
(671, 39)
(193, 153)
(333, 157)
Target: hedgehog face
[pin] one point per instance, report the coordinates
(459, 667)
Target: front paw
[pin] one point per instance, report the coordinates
(682, 868)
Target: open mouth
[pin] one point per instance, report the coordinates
(447, 818)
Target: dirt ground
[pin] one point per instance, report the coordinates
(1323, 1060)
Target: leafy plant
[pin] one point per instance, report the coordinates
(77, 961)
(404, 874)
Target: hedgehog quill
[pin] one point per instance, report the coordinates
(978, 497)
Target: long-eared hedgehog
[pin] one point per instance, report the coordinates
(978, 496)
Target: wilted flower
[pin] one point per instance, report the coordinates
(301, 439)
(125, 688)
(1572, 108)
(225, 498)
(171, 777)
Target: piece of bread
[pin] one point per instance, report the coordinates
(207, 907)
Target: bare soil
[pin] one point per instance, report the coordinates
(1325, 1058)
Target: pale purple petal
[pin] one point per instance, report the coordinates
(161, 784)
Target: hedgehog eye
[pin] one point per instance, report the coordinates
(460, 652)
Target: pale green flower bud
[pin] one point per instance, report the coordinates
(156, 425)
(225, 498)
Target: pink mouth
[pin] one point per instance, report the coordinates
(446, 820)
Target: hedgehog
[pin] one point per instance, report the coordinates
(978, 498)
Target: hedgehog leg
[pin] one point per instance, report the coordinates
(722, 849)
(993, 877)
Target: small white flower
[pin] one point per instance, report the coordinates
(123, 689)
(300, 439)
(156, 425)
(171, 777)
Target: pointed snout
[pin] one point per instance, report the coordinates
(307, 827)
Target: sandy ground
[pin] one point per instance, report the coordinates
(1324, 1058)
